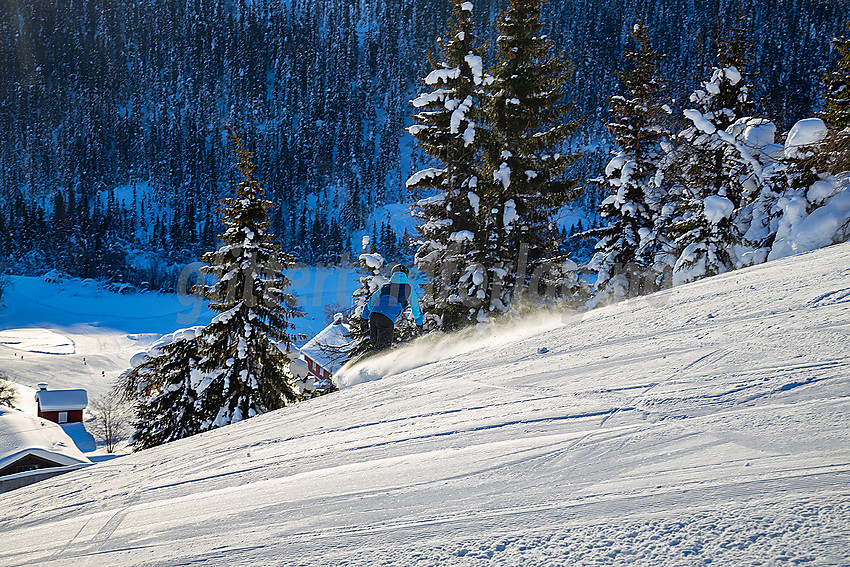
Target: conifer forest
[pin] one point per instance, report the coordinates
(97, 95)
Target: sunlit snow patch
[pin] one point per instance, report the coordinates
(42, 341)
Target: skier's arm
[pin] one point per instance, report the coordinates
(414, 307)
(367, 309)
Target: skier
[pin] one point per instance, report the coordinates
(384, 307)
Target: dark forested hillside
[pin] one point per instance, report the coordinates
(100, 93)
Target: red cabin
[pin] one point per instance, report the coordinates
(326, 352)
(317, 369)
(61, 406)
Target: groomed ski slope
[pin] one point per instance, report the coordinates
(709, 424)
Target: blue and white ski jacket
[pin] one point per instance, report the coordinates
(393, 298)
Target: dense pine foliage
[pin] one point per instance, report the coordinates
(836, 81)
(449, 128)
(97, 94)
(627, 241)
(836, 110)
(238, 366)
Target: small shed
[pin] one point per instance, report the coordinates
(61, 406)
(327, 352)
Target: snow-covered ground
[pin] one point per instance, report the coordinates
(708, 424)
(75, 333)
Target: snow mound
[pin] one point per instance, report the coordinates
(373, 261)
(804, 133)
(756, 134)
(419, 176)
(700, 121)
(800, 233)
(717, 208)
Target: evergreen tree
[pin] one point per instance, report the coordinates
(834, 156)
(629, 241)
(245, 347)
(164, 390)
(836, 85)
(526, 129)
(448, 129)
(714, 173)
(237, 366)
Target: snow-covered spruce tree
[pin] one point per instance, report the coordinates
(163, 390)
(709, 168)
(245, 347)
(762, 181)
(628, 243)
(836, 85)
(756, 172)
(449, 244)
(792, 202)
(834, 155)
(816, 149)
(525, 115)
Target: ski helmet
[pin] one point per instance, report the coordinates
(400, 268)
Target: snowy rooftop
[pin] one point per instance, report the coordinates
(22, 433)
(327, 348)
(62, 400)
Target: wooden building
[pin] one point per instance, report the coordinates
(61, 406)
(32, 449)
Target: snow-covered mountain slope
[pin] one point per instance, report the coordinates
(706, 424)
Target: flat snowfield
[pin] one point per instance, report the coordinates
(708, 424)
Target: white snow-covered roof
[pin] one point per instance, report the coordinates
(62, 400)
(328, 347)
(22, 433)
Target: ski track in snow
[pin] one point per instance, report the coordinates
(706, 425)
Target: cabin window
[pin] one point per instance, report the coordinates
(63, 417)
(25, 468)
